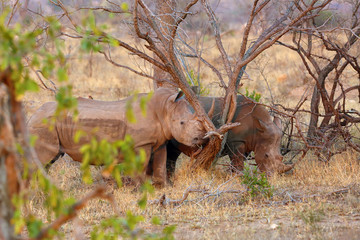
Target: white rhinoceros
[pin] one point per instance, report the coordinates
(168, 116)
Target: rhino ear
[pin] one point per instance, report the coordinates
(262, 126)
(277, 122)
(179, 96)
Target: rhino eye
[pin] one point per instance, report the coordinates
(266, 155)
(182, 122)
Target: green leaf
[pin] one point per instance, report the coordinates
(30, 85)
(130, 116)
(124, 6)
(78, 135)
(142, 202)
(34, 227)
(32, 140)
(62, 75)
(156, 220)
(147, 187)
(19, 149)
(143, 103)
(169, 230)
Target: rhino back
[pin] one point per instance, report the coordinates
(248, 113)
(207, 104)
(107, 120)
(103, 120)
(46, 111)
(243, 114)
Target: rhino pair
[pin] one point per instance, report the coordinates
(170, 120)
(257, 132)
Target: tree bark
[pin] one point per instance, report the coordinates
(166, 13)
(320, 91)
(9, 184)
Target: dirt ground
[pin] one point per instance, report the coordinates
(314, 201)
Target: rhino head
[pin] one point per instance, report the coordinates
(267, 148)
(182, 121)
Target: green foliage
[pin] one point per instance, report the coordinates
(105, 153)
(124, 6)
(143, 101)
(130, 115)
(34, 226)
(15, 44)
(113, 228)
(94, 35)
(203, 90)
(65, 100)
(256, 182)
(253, 95)
(54, 200)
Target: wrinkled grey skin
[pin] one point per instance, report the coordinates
(257, 132)
(168, 116)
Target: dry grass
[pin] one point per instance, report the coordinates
(316, 201)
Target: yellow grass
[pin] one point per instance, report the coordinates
(315, 201)
(328, 193)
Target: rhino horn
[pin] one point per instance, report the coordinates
(211, 111)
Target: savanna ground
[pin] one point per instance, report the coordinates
(316, 200)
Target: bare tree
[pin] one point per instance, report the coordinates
(163, 40)
(328, 68)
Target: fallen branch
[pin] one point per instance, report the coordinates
(164, 201)
(99, 192)
(302, 198)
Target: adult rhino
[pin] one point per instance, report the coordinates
(168, 116)
(257, 133)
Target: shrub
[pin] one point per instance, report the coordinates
(256, 182)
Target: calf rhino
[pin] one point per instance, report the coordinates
(168, 116)
(257, 133)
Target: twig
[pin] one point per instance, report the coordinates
(99, 192)
(213, 133)
(223, 129)
(164, 201)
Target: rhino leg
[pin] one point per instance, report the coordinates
(142, 176)
(237, 157)
(159, 167)
(172, 152)
(47, 145)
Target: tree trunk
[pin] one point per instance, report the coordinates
(314, 118)
(8, 171)
(166, 13)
